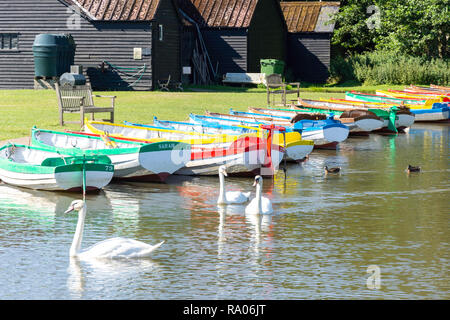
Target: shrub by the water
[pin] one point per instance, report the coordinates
(381, 67)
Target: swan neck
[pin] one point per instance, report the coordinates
(78, 236)
(222, 188)
(258, 197)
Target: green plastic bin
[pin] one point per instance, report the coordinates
(45, 52)
(53, 54)
(270, 66)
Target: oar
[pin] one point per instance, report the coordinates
(285, 155)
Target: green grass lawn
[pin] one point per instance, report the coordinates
(20, 110)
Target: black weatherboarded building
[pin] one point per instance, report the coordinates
(309, 29)
(122, 44)
(131, 44)
(237, 33)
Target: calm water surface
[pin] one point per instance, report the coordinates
(324, 234)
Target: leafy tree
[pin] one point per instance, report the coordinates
(414, 27)
(354, 32)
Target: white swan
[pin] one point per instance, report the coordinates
(260, 204)
(230, 197)
(110, 248)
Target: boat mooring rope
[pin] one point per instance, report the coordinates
(84, 178)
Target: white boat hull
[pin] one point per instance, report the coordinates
(432, 115)
(404, 120)
(368, 125)
(296, 152)
(244, 163)
(60, 181)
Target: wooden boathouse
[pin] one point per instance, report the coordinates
(309, 28)
(236, 33)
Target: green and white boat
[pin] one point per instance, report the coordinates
(132, 160)
(41, 169)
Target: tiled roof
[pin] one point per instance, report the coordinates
(304, 16)
(220, 13)
(118, 10)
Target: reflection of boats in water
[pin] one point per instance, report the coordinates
(44, 206)
(41, 206)
(124, 209)
(441, 127)
(200, 193)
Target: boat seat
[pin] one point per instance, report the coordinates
(52, 162)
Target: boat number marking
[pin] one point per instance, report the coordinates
(166, 146)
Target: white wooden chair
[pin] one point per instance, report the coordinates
(79, 99)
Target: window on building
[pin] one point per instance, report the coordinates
(161, 32)
(9, 41)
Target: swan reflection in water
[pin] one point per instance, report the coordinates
(117, 273)
(260, 227)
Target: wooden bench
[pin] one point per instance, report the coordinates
(79, 99)
(245, 78)
(276, 86)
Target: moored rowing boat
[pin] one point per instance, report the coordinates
(41, 169)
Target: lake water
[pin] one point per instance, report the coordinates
(325, 233)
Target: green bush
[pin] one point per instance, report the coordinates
(381, 67)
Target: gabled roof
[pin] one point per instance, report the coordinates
(304, 16)
(117, 10)
(220, 13)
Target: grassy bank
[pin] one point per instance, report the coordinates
(22, 109)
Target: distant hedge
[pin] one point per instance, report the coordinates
(381, 67)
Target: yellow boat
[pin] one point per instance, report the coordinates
(374, 104)
(428, 101)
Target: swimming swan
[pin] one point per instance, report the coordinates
(230, 197)
(110, 248)
(260, 204)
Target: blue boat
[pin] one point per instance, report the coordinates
(204, 127)
(326, 134)
(438, 112)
